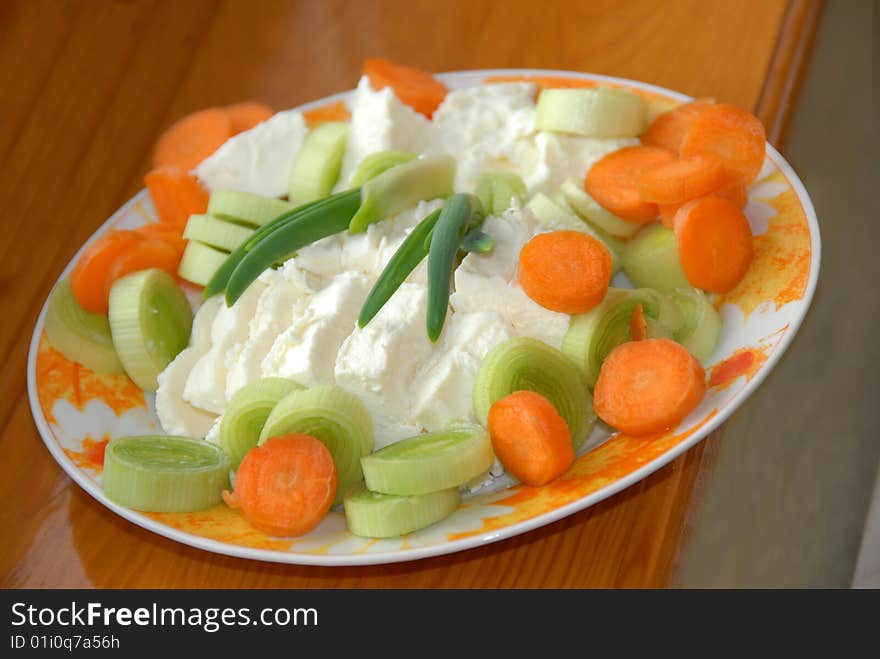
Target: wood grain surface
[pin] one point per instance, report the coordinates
(89, 85)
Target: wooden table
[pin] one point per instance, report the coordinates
(89, 85)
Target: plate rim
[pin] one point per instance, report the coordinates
(478, 539)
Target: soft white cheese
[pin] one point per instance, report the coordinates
(477, 292)
(559, 156)
(177, 416)
(509, 233)
(486, 127)
(378, 362)
(306, 350)
(273, 314)
(380, 122)
(257, 160)
(444, 386)
(206, 385)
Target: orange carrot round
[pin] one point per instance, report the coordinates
(733, 134)
(246, 115)
(734, 190)
(648, 386)
(285, 486)
(566, 271)
(677, 181)
(193, 138)
(530, 438)
(613, 181)
(714, 243)
(151, 253)
(169, 233)
(334, 111)
(668, 130)
(413, 87)
(638, 326)
(176, 194)
(90, 279)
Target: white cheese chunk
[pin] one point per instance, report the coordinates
(486, 127)
(206, 385)
(177, 416)
(378, 363)
(273, 314)
(379, 122)
(444, 386)
(509, 233)
(476, 292)
(257, 160)
(560, 156)
(306, 351)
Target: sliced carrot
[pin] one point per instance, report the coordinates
(90, 279)
(169, 233)
(286, 486)
(566, 271)
(151, 253)
(668, 129)
(735, 135)
(638, 326)
(734, 190)
(679, 180)
(176, 194)
(530, 438)
(335, 111)
(714, 243)
(414, 87)
(648, 386)
(246, 115)
(613, 181)
(193, 138)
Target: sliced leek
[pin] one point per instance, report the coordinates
(651, 259)
(200, 262)
(80, 336)
(702, 323)
(403, 186)
(150, 320)
(246, 207)
(373, 515)
(164, 473)
(591, 336)
(216, 232)
(600, 112)
(316, 166)
(526, 363)
(333, 415)
(247, 412)
(591, 211)
(376, 163)
(430, 462)
(498, 190)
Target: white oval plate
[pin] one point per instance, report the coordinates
(77, 411)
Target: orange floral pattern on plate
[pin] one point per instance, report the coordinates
(223, 524)
(58, 378)
(91, 456)
(780, 268)
(618, 457)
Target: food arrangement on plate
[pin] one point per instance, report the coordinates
(387, 306)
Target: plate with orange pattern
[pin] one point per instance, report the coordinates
(78, 411)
